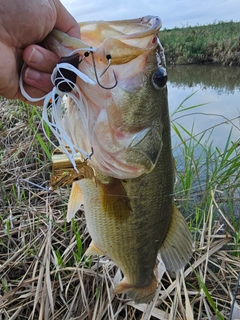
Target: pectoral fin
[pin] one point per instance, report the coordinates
(75, 201)
(177, 247)
(114, 200)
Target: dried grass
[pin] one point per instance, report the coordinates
(43, 271)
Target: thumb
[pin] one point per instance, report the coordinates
(65, 21)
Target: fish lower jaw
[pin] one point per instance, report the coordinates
(116, 170)
(124, 165)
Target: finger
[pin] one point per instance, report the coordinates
(37, 79)
(40, 58)
(65, 21)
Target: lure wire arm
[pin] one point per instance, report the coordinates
(88, 157)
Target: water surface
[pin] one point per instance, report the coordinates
(217, 87)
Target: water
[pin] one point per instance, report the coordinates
(217, 87)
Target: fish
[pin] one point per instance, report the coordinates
(121, 120)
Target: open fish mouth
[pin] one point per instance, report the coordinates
(102, 121)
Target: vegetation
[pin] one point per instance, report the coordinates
(44, 273)
(214, 43)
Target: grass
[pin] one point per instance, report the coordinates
(216, 43)
(44, 273)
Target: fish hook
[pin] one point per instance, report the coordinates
(107, 67)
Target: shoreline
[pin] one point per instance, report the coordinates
(217, 43)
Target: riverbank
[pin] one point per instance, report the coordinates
(213, 43)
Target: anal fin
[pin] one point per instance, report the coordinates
(176, 249)
(93, 250)
(75, 201)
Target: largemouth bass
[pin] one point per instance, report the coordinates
(122, 122)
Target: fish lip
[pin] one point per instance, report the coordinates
(154, 24)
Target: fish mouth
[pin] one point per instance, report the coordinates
(123, 30)
(131, 37)
(118, 59)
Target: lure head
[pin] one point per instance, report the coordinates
(67, 74)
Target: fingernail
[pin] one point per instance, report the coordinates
(32, 74)
(35, 56)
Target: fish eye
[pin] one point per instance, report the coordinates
(159, 78)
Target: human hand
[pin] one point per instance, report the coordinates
(23, 25)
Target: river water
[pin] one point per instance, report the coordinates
(217, 87)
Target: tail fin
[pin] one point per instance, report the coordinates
(143, 294)
(177, 247)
